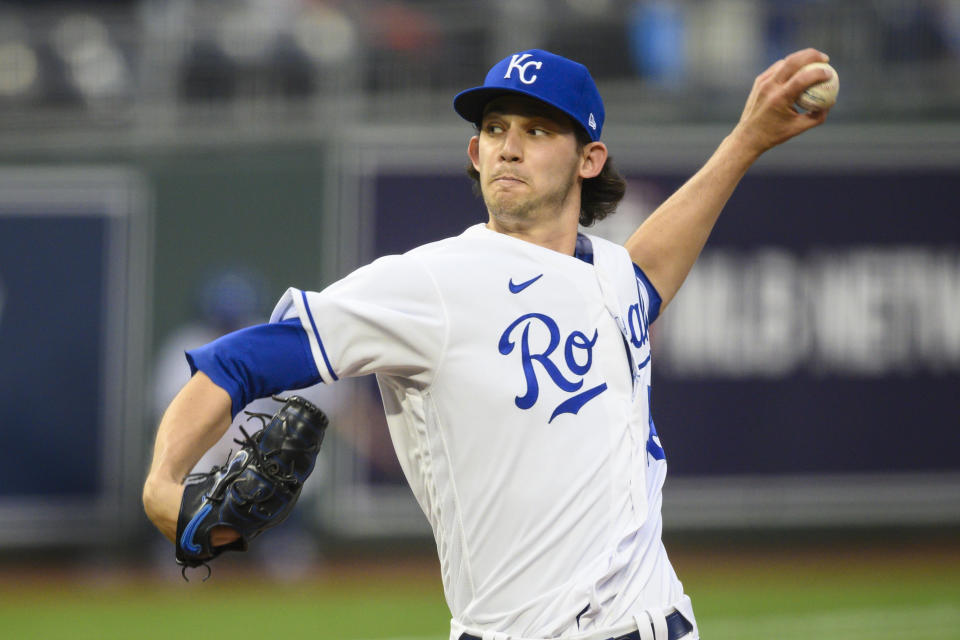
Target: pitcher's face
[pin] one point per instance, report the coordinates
(528, 158)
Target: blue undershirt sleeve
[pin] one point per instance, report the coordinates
(655, 299)
(257, 361)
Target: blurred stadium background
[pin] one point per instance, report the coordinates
(169, 167)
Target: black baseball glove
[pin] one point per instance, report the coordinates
(256, 488)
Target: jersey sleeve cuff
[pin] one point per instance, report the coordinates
(257, 362)
(294, 304)
(655, 299)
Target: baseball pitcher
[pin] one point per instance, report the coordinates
(514, 365)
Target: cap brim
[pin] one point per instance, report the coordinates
(469, 104)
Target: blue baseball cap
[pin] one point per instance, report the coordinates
(555, 80)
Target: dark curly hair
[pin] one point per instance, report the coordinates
(599, 196)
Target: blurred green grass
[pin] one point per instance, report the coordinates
(839, 593)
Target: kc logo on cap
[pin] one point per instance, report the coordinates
(545, 76)
(522, 68)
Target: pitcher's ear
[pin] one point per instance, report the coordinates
(594, 156)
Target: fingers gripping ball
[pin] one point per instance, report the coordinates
(256, 489)
(823, 95)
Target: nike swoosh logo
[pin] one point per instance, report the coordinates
(186, 540)
(517, 288)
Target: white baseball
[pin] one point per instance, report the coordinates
(822, 95)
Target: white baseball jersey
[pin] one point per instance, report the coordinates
(515, 381)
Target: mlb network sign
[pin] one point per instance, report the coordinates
(871, 311)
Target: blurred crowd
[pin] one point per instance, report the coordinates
(103, 54)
